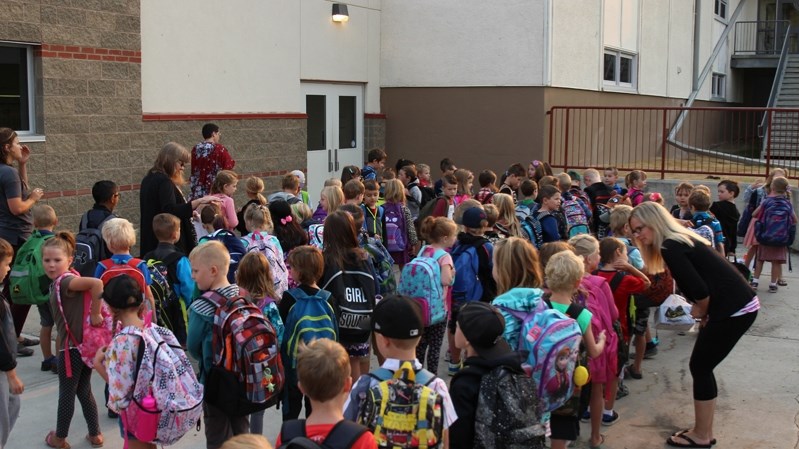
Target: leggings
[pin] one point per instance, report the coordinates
(432, 339)
(714, 342)
(78, 385)
(19, 312)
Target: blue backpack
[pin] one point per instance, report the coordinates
(234, 246)
(532, 230)
(421, 281)
(470, 280)
(552, 340)
(311, 317)
(776, 226)
(382, 262)
(396, 227)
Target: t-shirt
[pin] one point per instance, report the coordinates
(583, 319)
(318, 432)
(13, 228)
(72, 302)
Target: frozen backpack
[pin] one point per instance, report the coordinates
(552, 340)
(163, 374)
(402, 411)
(310, 318)
(29, 283)
(266, 246)
(247, 373)
(396, 228)
(421, 281)
(576, 220)
(775, 226)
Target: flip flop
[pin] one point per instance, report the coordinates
(681, 432)
(95, 441)
(782, 282)
(601, 442)
(48, 440)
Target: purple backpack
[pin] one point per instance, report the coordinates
(396, 228)
(775, 226)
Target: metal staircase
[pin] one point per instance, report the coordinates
(785, 125)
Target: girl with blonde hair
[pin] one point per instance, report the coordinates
(507, 224)
(254, 186)
(395, 207)
(722, 300)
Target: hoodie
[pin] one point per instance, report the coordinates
(521, 299)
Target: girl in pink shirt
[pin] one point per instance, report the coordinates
(224, 187)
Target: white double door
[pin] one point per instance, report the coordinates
(335, 132)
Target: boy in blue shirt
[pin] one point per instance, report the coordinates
(699, 201)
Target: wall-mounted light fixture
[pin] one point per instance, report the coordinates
(340, 13)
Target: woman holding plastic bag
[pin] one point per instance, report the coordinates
(722, 299)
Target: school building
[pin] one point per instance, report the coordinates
(96, 87)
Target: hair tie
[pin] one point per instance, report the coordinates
(285, 220)
(536, 163)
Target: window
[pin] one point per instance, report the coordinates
(718, 87)
(720, 8)
(619, 68)
(16, 87)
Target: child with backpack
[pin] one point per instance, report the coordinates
(323, 371)
(381, 259)
(496, 401)
(68, 301)
(140, 350)
(488, 187)
(223, 188)
(209, 263)
(259, 224)
(353, 192)
(11, 386)
(550, 204)
(576, 212)
(611, 179)
(775, 230)
(507, 224)
(511, 180)
(219, 232)
(29, 283)
(564, 273)
(307, 314)
(620, 227)
(255, 277)
(444, 205)
(699, 200)
(287, 229)
(465, 180)
(375, 160)
(170, 271)
(374, 215)
(726, 212)
(636, 183)
(349, 276)
(427, 280)
(254, 189)
(413, 193)
(90, 245)
(472, 258)
(120, 237)
(400, 385)
(598, 194)
(400, 237)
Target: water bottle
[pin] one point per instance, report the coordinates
(147, 428)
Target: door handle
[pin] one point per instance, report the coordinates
(329, 161)
(336, 159)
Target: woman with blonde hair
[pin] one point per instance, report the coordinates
(507, 224)
(722, 300)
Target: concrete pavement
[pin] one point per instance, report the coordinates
(757, 405)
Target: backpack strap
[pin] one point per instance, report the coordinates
(425, 377)
(616, 281)
(381, 374)
(84, 222)
(170, 262)
(215, 298)
(572, 312)
(343, 435)
(292, 429)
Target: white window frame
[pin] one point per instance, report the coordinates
(618, 54)
(723, 6)
(718, 86)
(28, 135)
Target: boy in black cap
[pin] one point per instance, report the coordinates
(397, 325)
(496, 401)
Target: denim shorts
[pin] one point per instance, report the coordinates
(45, 315)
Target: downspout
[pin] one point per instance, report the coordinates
(697, 30)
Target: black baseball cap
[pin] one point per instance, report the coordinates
(399, 317)
(483, 326)
(122, 292)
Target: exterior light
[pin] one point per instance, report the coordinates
(340, 13)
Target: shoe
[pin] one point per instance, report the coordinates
(47, 364)
(54, 366)
(586, 417)
(610, 420)
(95, 441)
(622, 391)
(754, 284)
(633, 374)
(782, 282)
(29, 341)
(112, 414)
(22, 351)
(772, 288)
(453, 368)
(52, 441)
(650, 351)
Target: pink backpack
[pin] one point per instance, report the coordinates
(94, 337)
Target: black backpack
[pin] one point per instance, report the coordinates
(428, 193)
(90, 248)
(353, 290)
(342, 436)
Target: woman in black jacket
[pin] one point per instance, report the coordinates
(160, 193)
(722, 299)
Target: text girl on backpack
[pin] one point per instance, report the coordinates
(775, 230)
(507, 224)
(67, 304)
(564, 274)
(259, 223)
(636, 183)
(550, 203)
(255, 187)
(287, 230)
(308, 315)
(400, 237)
(223, 188)
(11, 386)
(255, 277)
(721, 299)
(441, 234)
(349, 277)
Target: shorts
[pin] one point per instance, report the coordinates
(357, 350)
(564, 427)
(453, 316)
(641, 320)
(45, 315)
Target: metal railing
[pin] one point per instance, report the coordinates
(763, 37)
(710, 141)
(775, 86)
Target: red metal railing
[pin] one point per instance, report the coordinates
(675, 140)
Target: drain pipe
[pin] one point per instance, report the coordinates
(697, 30)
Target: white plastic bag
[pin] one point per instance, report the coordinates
(675, 314)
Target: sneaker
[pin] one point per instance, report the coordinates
(622, 391)
(47, 364)
(586, 416)
(112, 414)
(609, 420)
(772, 288)
(23, 351)
(453, 368)
(754, 284)
(29, 341)
(650, 351)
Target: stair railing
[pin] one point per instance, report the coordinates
(765, 122)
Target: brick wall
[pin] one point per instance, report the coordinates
(374, 132)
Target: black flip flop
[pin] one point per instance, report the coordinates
(681, 434)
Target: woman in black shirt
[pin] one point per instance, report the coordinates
(722, 299)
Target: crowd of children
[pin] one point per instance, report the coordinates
(308, 295)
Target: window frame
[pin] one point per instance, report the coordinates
(30, 134)
(718, 86)
(616, 82)
(721, 6)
